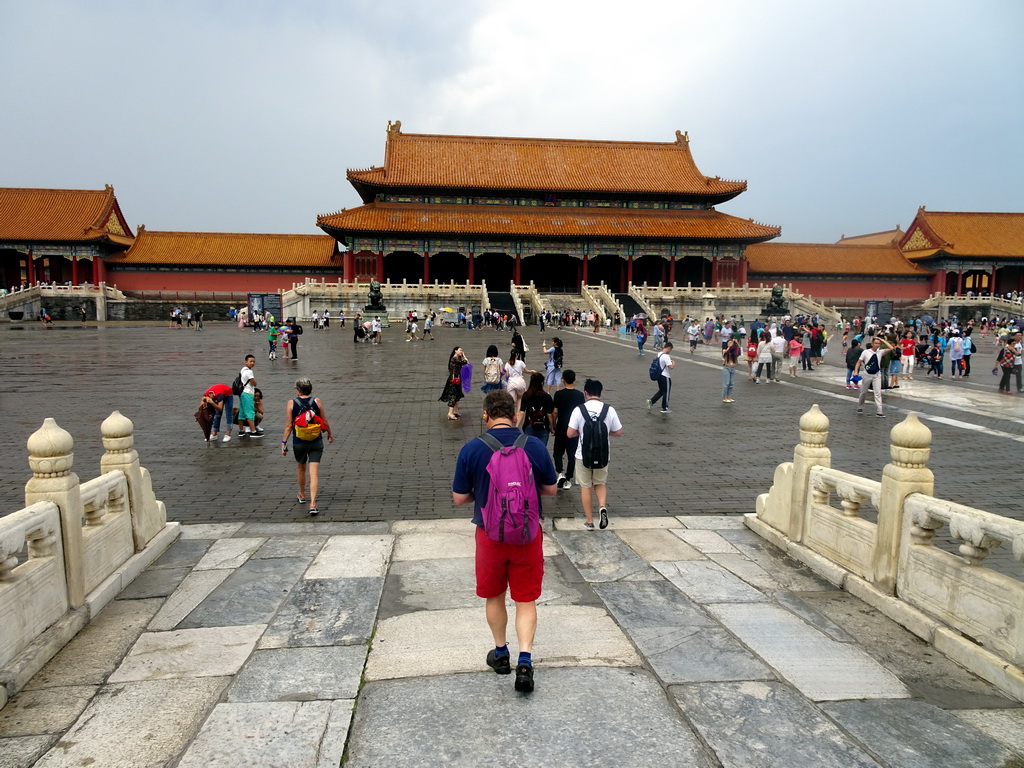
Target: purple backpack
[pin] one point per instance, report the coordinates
(511, 512)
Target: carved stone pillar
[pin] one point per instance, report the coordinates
(148, 519)
(51, 457)
(811, 452)
(904, 475)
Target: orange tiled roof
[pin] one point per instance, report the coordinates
(965, 234)
(830, 259)
(225, 248)
(555, 165)
(62, 215)
(540, 222)
(874, 238)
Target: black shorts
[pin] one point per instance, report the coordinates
(308, 451)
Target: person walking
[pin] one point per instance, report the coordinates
(516, 383)
(969, 349)
(294, 331)
(730, 355)
(492, 366)
(452, 392)
(553, 366)
(852, 356)
(306, 423)
(641, 336)
(869, 367)
(665, 366)
(566, 400)
(594, 423)
(535, 413)
(503, 566)
(907, 354)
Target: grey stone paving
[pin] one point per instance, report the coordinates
(395, 450)
(633, 667)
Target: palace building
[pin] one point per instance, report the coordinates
(558, 212)
(979, 253)
(59, 235)
(222, 261)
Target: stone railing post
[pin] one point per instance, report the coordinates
(811, 452)
(50, 456)
(119, 441)
(904, 475)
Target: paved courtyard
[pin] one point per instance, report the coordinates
(676, 637)
(395, 451)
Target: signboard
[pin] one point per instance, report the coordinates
(265, 302)
(880, 309)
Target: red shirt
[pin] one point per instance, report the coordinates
(218, 392)
(907, 347)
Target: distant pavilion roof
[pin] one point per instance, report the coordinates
(874, 238)
(230, 249)
(961, 233)
(62, 215)
(542, 222)
(426, 161)
(830, 259)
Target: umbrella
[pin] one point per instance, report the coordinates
(447, 309)
(642, 315)
(467, 378)
(205, 418)
(928, 320)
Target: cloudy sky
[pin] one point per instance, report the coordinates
(243, 115)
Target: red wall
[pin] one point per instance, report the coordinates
(851, 289)
(238, 282)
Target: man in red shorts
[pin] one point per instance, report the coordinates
(501, 566)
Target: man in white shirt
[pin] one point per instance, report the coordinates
(588, 473)
(693, 332)
(375, 327)
(666, 364)
(869, 366)
(247, 402)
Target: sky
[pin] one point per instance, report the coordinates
(244, 115)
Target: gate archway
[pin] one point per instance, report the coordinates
(403, 265)
(552, 272)
(447, 266)
(496, 269)
(610, 268)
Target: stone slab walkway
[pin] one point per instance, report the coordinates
(661, 641)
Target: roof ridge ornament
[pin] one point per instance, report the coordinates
(682, 138)
(395, 127)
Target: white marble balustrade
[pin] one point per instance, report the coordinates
(73, 547)
(970, 612)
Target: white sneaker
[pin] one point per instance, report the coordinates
(226, 438)
(567, 484)
(561, 478)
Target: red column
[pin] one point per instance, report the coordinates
(960, 282)
(348, 267)
(714, 271)
(469, 278)
(940, 281)
(743, 270)
(992, 284)
(517, 272)
(622, 275)
(672, 271)
(426, 268)
(380, 266)
(30, 268)
(74, 271)
(584, 281)
(629, 269)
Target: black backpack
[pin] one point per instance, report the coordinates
(872, 365)
(237, 387)
(536, 417)
(594, 440)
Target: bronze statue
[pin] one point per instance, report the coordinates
(777, 305)
(376, 298)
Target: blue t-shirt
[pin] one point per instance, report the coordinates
(471, 467)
